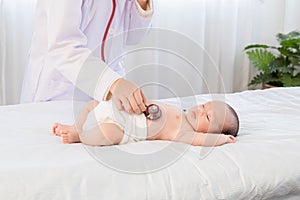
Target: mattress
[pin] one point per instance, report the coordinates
(264, 163)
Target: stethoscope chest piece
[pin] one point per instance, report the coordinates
(152, 112)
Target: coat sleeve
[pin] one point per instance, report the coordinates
(68, 52)
(138, 20)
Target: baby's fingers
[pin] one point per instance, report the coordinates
(231, 138)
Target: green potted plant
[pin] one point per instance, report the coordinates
(277, 65)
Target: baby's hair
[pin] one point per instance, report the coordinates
(233, 129)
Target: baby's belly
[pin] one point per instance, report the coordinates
(154, 128)
(164, 127)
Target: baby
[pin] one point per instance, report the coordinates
(211, 124)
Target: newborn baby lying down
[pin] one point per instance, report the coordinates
(211, 124)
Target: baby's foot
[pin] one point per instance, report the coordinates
(69, 134)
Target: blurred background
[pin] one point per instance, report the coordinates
(204, 42)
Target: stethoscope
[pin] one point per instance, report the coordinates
(153, 111)
(107, 29)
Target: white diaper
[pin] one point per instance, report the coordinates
(133, 125)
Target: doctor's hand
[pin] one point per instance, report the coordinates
(127, 96)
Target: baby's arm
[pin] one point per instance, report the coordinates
(205, 139)
(211, 139)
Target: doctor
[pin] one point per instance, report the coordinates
(66, 34)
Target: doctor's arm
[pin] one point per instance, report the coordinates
(68, 53)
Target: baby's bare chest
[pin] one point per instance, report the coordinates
(171, 122)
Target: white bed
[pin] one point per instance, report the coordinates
(264, 163)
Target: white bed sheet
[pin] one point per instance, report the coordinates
(264, 163)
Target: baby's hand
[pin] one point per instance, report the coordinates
(230, 139)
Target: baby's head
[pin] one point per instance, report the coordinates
(214, 117)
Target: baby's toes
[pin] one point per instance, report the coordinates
(65, 138)
(54, 128)
(59, 130)
(64, 129)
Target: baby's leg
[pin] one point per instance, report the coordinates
(57, 128)
(102, 135)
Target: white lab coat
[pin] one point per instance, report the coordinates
(66, 34)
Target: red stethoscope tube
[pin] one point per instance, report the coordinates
(107, 29)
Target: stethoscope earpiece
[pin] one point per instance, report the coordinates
(152, 112)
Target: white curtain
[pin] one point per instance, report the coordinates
(2, 55)
(16, 29)
(222, 27)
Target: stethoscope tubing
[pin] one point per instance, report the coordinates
(107, 29)
(148, 113)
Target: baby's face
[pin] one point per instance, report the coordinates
(209, 117)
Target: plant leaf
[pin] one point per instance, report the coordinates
(292, 43)
(285, 51)
(295, 60)
(281, 65)
(291, 35)
(290, 81)
(256, 46)
(277, 69)
(257, 79)
(263, 78)
(261, 58)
